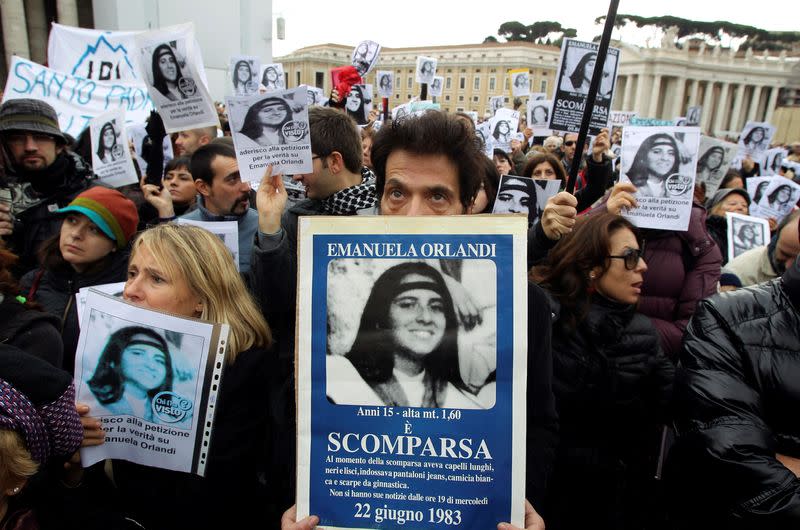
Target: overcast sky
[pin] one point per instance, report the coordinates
(434, 22)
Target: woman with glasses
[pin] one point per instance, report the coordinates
(611, 379)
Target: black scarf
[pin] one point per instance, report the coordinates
(349, 200)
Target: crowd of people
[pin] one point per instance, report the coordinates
(660, 373)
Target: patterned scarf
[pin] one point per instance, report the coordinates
(349, 200)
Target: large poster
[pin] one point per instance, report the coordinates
(168, 64)
(151, 379)
(397, 384)
(75, 99)
(575, 69)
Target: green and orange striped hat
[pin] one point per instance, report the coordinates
(110, 210)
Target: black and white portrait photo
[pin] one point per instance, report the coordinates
(136, 370)
(272, 77)
(426, 69)
(539, 114)
(516, 195)
(496, 103)
(168, 73)
(778, 199)
(773, 159)
(358, 103)
(755, 138)
(399, 336)
(385, 83)
(693, 115)
(536, 96)
(365, 55)
(745, 232)
(520, 83)
(578, 68)
(316, 96)
(108, 148)
(264, 122)
(713, 163)
(436, 86)
(659, 164)
(244, 75)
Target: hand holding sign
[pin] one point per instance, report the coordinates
(622, 198)
(559, 214)
(270, 201)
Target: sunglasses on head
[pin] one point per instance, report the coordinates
(631, 257)
(569, 143)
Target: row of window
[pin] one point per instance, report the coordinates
(319, 81)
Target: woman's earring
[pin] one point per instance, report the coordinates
(15, 490)
(591, 275)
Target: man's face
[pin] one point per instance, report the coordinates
(32, 151)
(569, 145)
(227, 195)
(421, 185)
(188, 142)
(321, 183)
(788, 246)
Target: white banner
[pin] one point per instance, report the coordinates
(107, 56)
(77, 100)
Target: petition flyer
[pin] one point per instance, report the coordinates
(151, 379)
(397, 381)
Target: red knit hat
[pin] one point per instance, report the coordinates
(110, 210)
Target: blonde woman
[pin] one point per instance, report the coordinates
(188, 271)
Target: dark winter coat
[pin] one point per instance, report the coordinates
(736, 402)
(32, 331)
(612, 385)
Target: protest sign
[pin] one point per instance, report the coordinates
(358, 103)
(504, 124)
(271, 129)
(618, 118)
(661, 162)
(772, 197)
(473, 115)
(416, 448)
(272, 77)
(385, 83)
(400, 112)
(575, 68)
(679, 121)
(168, 65)
(773, 158)
(520, 82)
(227, 231)
(113, 289)
(524, 195)
(484, 133)
(315, 96)
(714, 160)
(536, 96)
(365, 56)
(244, 74)
(496, 103)
(744, 233)
(111, 158)
(693, 116)
(99, 55)
(538, 116)
(426, 69)
(75, 99)
(165, 417)
(436, 86)
(755, 138)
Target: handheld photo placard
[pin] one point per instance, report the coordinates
(272, 77)
(661, 162)
(393, 406)
(755, 138)
(714, 160)
(365, 56)
(385, 83)
(111, 158)
(520, 82)
(436, 86)
(271, 129)
(538, 116)
(745, 232)
(244, 71)
(168, 65)
(504, 125)
(575, 68)
(152, 379)
(426, 69)
(773, 197)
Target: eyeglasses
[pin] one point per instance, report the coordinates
(631, 257)
(569, 143)
(21, 138)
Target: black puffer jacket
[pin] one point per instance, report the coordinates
(737, 396)
(55, 291)
(612, 385)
